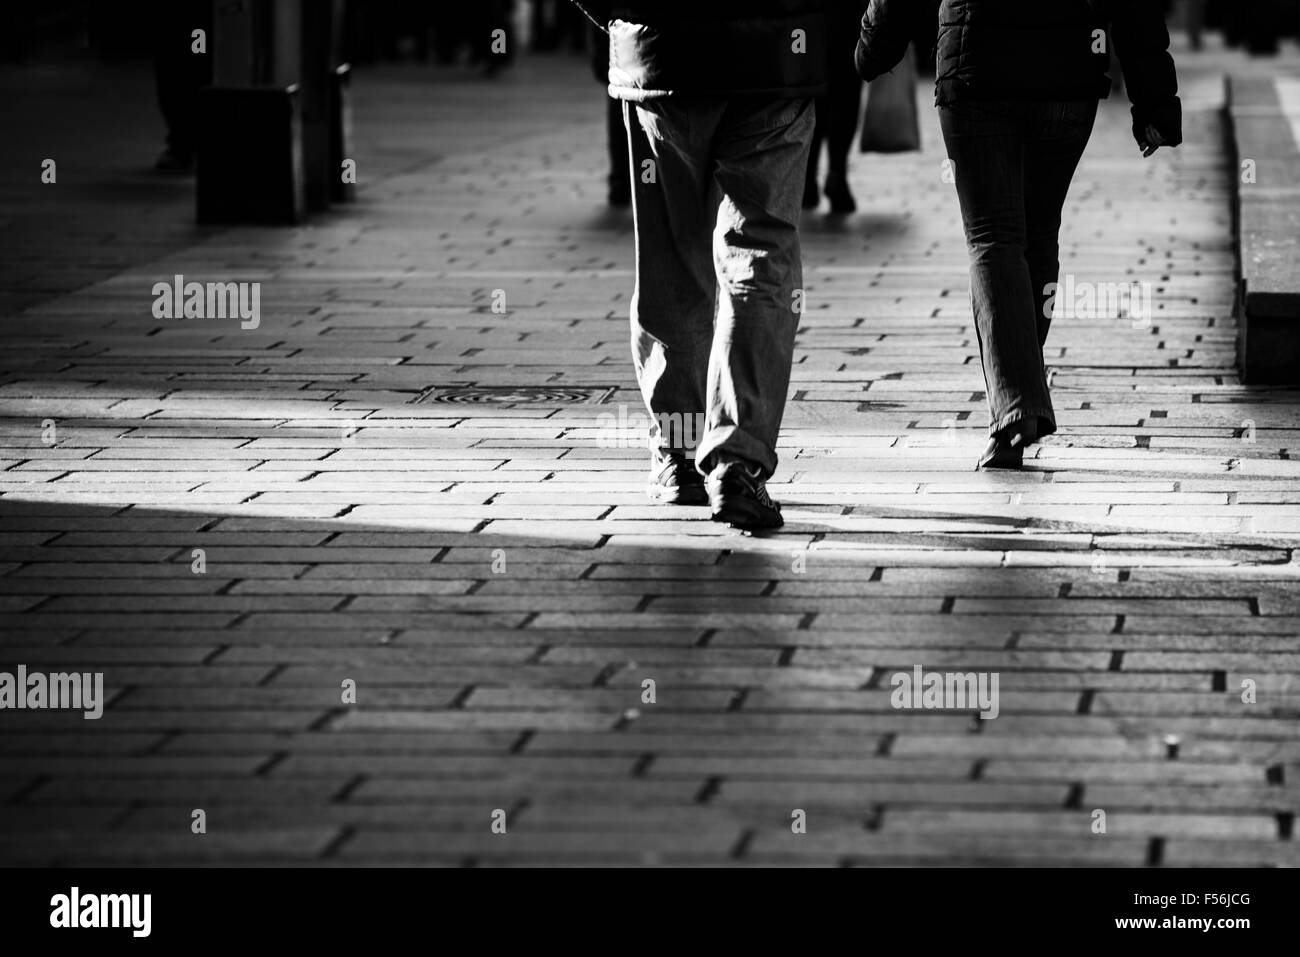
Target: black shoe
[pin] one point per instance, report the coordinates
(811, 199)
(674, 480)
(1006, 450)
(841, 197)
(739, 498)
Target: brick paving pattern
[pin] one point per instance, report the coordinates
(492, 578)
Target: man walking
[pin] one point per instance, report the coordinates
(722, 93)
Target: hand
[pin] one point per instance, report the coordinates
(1151, 140)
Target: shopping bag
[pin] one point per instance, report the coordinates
(890, 123)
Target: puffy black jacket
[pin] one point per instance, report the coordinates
(713, 47)
(1032, 50)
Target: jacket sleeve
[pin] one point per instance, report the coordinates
(888, 27)
(1142, 43)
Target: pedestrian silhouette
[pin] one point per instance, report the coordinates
(1018, 84)
(837, 110)
(723, 97)
(182, 67)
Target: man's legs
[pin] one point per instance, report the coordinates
(675, 294)
(761, 151)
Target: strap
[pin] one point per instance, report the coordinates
(587, 13)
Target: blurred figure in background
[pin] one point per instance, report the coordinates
(1258, 24)
(494, 50)
(1194, 10)
(1018, 88)
(557, 23)
(455, 27)
(451, 27)
(179, 74)
(837, 110)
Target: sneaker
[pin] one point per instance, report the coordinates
(739, 498)
(674, 481)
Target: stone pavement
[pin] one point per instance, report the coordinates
(396, 485)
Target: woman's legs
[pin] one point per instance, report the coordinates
(988, 144)
(842, 123)
(837, 123)
(837, 111)
(1052, 155)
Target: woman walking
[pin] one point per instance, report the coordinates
(837, 110)
(1018, 83)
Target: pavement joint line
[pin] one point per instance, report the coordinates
(743, 843)
(264, 769)
(1155, 852)
(458, 702)
(517, 809)
(349, 787)
(214, 654)
(345, 834)
(712, 784)
(275, 672)
(322, 722)
(35, 783)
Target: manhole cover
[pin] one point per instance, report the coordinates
(519, 395)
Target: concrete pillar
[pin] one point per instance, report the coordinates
(274, 121)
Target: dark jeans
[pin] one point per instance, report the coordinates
(1013, 162)
(718, 267)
